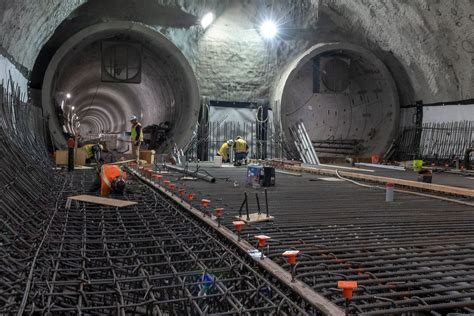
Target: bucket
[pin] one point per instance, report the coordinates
(375, 159)
(218, 161)
(417, 165)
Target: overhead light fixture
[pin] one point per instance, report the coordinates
(268, 29)
(68, 95)
(73, 107)
(207, 19)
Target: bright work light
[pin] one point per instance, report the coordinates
(207, 20)
(268, 29)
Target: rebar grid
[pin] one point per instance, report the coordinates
(25, 189)
(147, 259)
(413, 255)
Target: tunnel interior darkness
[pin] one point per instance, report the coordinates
(167, 89)
(346, 99)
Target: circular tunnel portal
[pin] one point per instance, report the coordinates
(108, 72)
(346, 98)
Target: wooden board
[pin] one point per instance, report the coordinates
(121, 162)
(379, 179)
(101, 200)
(255, 218)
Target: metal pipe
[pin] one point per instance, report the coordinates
(196, 173)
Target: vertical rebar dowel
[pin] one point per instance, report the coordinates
(266, 203)
(70, 159)
(242, 205)
(258, 203)
(247, 206)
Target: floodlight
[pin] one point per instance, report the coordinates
(268, 29)
(207, 20)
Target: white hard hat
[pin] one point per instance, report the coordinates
(133, 117)
(230, 142)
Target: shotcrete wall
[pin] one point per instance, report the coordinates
(427, 46)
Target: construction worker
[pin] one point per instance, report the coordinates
(136, 137)
(112, 178)
(93, 151)
(241, 149)
(224, 150)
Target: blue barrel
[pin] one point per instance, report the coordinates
(254, 174)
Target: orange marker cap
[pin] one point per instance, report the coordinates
(205, 202)
(238, 225)
(262, 239)
(219, 211)
(347, 287)
(291, 256)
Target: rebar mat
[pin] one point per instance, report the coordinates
(415, 255)
(146, 259)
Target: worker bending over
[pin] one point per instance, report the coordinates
(112, 178)
(241, 149)
(93, 151)
(224, 150)
(136, 137)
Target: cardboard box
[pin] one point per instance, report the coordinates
(148, 155)
(80, 158)
(62, 157)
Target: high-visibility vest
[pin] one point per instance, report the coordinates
(240, 146)
(88, 149)
(108, 173)
(133, 134)
(224, 151)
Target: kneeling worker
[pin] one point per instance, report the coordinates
(112, 178)
(240, 149)
(224, 150)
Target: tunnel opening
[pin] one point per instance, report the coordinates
(110, 71)
(346, 98)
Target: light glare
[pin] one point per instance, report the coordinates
(68, 95)
(207, 20)
(268, 29)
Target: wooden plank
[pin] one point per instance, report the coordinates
(379, 179)
(121, 162)
(255, 218)
(101, 200)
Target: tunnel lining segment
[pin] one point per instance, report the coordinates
(282, 89)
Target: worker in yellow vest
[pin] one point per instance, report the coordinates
(93, 151)
(241, 149)
(136, 137)
(224, 150)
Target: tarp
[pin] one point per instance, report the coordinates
(448, 113)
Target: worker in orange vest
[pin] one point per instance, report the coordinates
(112, 178)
